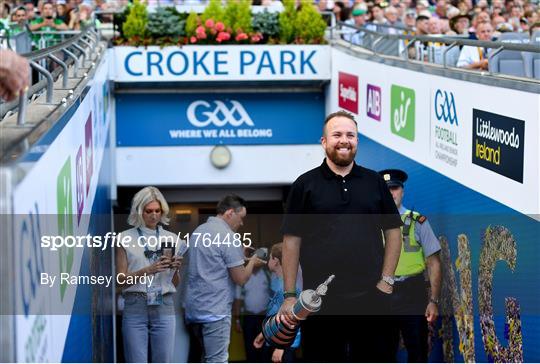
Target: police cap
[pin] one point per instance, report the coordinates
(394, 177)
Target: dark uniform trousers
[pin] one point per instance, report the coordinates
(408, 306)
(350, 330)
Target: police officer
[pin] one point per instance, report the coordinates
(412, 307)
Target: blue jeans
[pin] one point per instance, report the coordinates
(141, 323)
(214, 338)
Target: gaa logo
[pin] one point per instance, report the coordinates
(445, 107)
(201, 113)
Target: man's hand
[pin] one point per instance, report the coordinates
(257, 262)
(259, 341)
(14, 74)
(384, 287)
(238, 326)
(176, 262)
(432, 312)
(277, 355)
(285, 313)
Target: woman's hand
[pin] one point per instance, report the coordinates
(159, 266)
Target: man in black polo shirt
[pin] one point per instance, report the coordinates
(339, 213)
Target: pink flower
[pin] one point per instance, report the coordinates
(255, 38)
(241, 36)
(193, 39)
(220, 26)
(223, 36)
(209, 23)
(200, 29)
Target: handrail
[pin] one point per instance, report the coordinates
(449, 40)
(77, 42)
(41, 53)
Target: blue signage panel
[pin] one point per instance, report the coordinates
(210, 119)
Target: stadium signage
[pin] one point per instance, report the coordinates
(348, 92)
(498, 143)
(224, 63)
(210, 119)
(445, 127)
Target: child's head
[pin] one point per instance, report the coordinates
(274, 261)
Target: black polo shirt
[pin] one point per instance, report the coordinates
(340, 220)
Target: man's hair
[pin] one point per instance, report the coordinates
(534, 25)
(277, 251)
(484, 23)
(230, 202)
(20, 8)
(340, 113)
(421, 17)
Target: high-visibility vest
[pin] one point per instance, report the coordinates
(411, 259)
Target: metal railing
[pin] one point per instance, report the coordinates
(373, 39)
(74, 52)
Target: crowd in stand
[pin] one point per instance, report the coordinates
(481, 20)
(40, 18)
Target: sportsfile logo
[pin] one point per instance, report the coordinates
(348, 92)
(201, 113)
(402, 111)
(445, 127)
(498, 143)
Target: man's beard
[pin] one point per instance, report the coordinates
(340, 160)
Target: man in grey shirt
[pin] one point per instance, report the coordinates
(215, 265)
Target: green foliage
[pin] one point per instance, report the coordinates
(238, 15)
(136, 21)
(120, 19)
(287, 22)
(266, 23)
(213, 11)
(166, 22)
(192, 22)
(309, 25)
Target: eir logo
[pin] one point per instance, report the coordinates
(348, 92)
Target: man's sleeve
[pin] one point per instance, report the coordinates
(232, 256)
(390, 217)
(464, 58)
(428, 240)
(294, 211)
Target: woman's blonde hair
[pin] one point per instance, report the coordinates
(143, 198)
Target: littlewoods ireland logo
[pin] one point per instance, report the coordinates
(402, 111)
(201, 113)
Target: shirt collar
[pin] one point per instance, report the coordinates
(328, 173)
(218, 220)
(402, 210)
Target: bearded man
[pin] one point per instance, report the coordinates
(339, 213)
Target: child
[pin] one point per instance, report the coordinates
(276, 286)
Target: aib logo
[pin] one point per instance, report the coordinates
(445, 107)
(201, 113)
(402, 108)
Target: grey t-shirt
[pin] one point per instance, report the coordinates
(210, 289)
